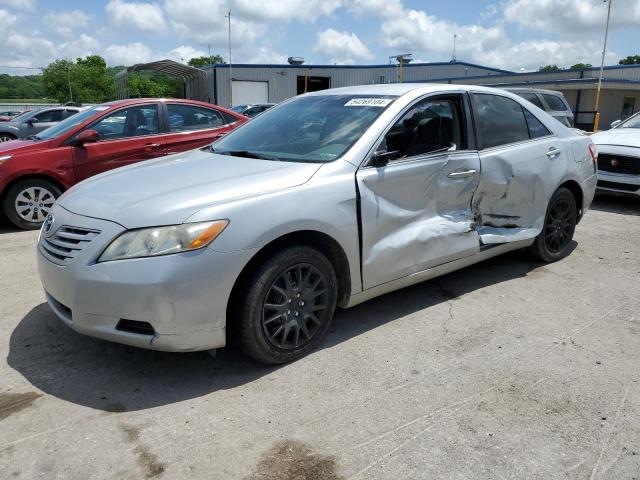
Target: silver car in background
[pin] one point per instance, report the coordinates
(328, 199)
(550, 101)
(33, 122)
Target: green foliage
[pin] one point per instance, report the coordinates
(200, 62)
(88, 80)
(19, 87)
(580, 66)
(549, 68)
(154, 85)
(630, 60)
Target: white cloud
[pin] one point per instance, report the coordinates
(184, 53)
(305, 10)
(380, 8)
(267, 55)
(28, 5)
(66, 22)
(147, 17)
(342, 45)
(574, 16)
(210, 28)
(27, 51)
(7, 20)
(129, 54)
(81, 46)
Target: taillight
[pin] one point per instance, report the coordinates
(593, 151)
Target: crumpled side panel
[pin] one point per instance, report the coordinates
(415, 217)
(515, 186)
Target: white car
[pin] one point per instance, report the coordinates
(619, 156)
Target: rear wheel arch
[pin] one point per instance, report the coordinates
(576, 190)
(320, 241)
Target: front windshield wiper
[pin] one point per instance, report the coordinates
(245, 153)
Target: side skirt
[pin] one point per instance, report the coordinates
(485, 253)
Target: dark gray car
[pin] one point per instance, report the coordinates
(33, 122)
(550, 101)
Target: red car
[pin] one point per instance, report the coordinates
(34, 172)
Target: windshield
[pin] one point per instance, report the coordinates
(69, 123)
(239, 108)
(631, 122)
(316, 128)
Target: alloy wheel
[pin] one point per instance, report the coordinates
(5, 138)
(34, 203)
(558, 226)
(294, 305)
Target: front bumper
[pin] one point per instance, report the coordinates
(182, 296)
(614, 181)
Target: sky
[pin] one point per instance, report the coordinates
(509, 34)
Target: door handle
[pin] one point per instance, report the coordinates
(151, 146)
(462, 174)
(553, 152)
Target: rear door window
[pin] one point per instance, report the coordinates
(554, 102)
(190, 117)
(536, 128)
(499, 120)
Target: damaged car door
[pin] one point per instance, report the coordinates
(416, 191)
(522, 163)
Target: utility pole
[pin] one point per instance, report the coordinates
(230, 70)
(69, 82)
(453, 58)
(596, 120)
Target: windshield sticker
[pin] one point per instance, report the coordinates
(368, 102)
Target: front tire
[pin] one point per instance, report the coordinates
(554, 241)
(27, 203)
(6, 137)
(288, 306)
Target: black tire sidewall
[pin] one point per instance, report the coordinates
(12, 193)
(540, 249)
(252, 338)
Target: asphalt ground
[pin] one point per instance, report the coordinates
(507, 369)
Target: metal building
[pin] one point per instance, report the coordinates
(274, 83)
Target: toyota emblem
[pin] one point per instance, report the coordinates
(48, 224)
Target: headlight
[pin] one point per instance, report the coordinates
(4, 158)
(151, 242)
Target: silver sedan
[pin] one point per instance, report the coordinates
(328, 199)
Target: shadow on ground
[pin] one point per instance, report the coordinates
(612, 203)
(113, 377)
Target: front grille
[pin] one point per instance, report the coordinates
(66, 242)
(619, 164)
(618, 186)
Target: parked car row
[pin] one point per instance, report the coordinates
(38, 164)
(328, 199)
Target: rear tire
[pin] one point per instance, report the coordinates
(287, 306)
(554, 241)
(27, 203)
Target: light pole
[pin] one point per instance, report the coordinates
(69, 82)
(401, 59)
(596, 120)
(230, 71)
(453, 58)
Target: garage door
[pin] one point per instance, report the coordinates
(250, 92)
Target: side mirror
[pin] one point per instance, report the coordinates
(87, 136)
(382, 157)
(30, 121)
(615, 123)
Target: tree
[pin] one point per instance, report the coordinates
(630, 60)
(86, 80)
(549, 68)
(200, 62)
(581, 66)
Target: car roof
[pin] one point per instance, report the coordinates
(136, 101)
(398, 89)
(533, 90)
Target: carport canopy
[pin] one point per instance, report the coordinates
(194, 79)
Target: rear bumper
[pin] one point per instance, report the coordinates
(183, 297)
